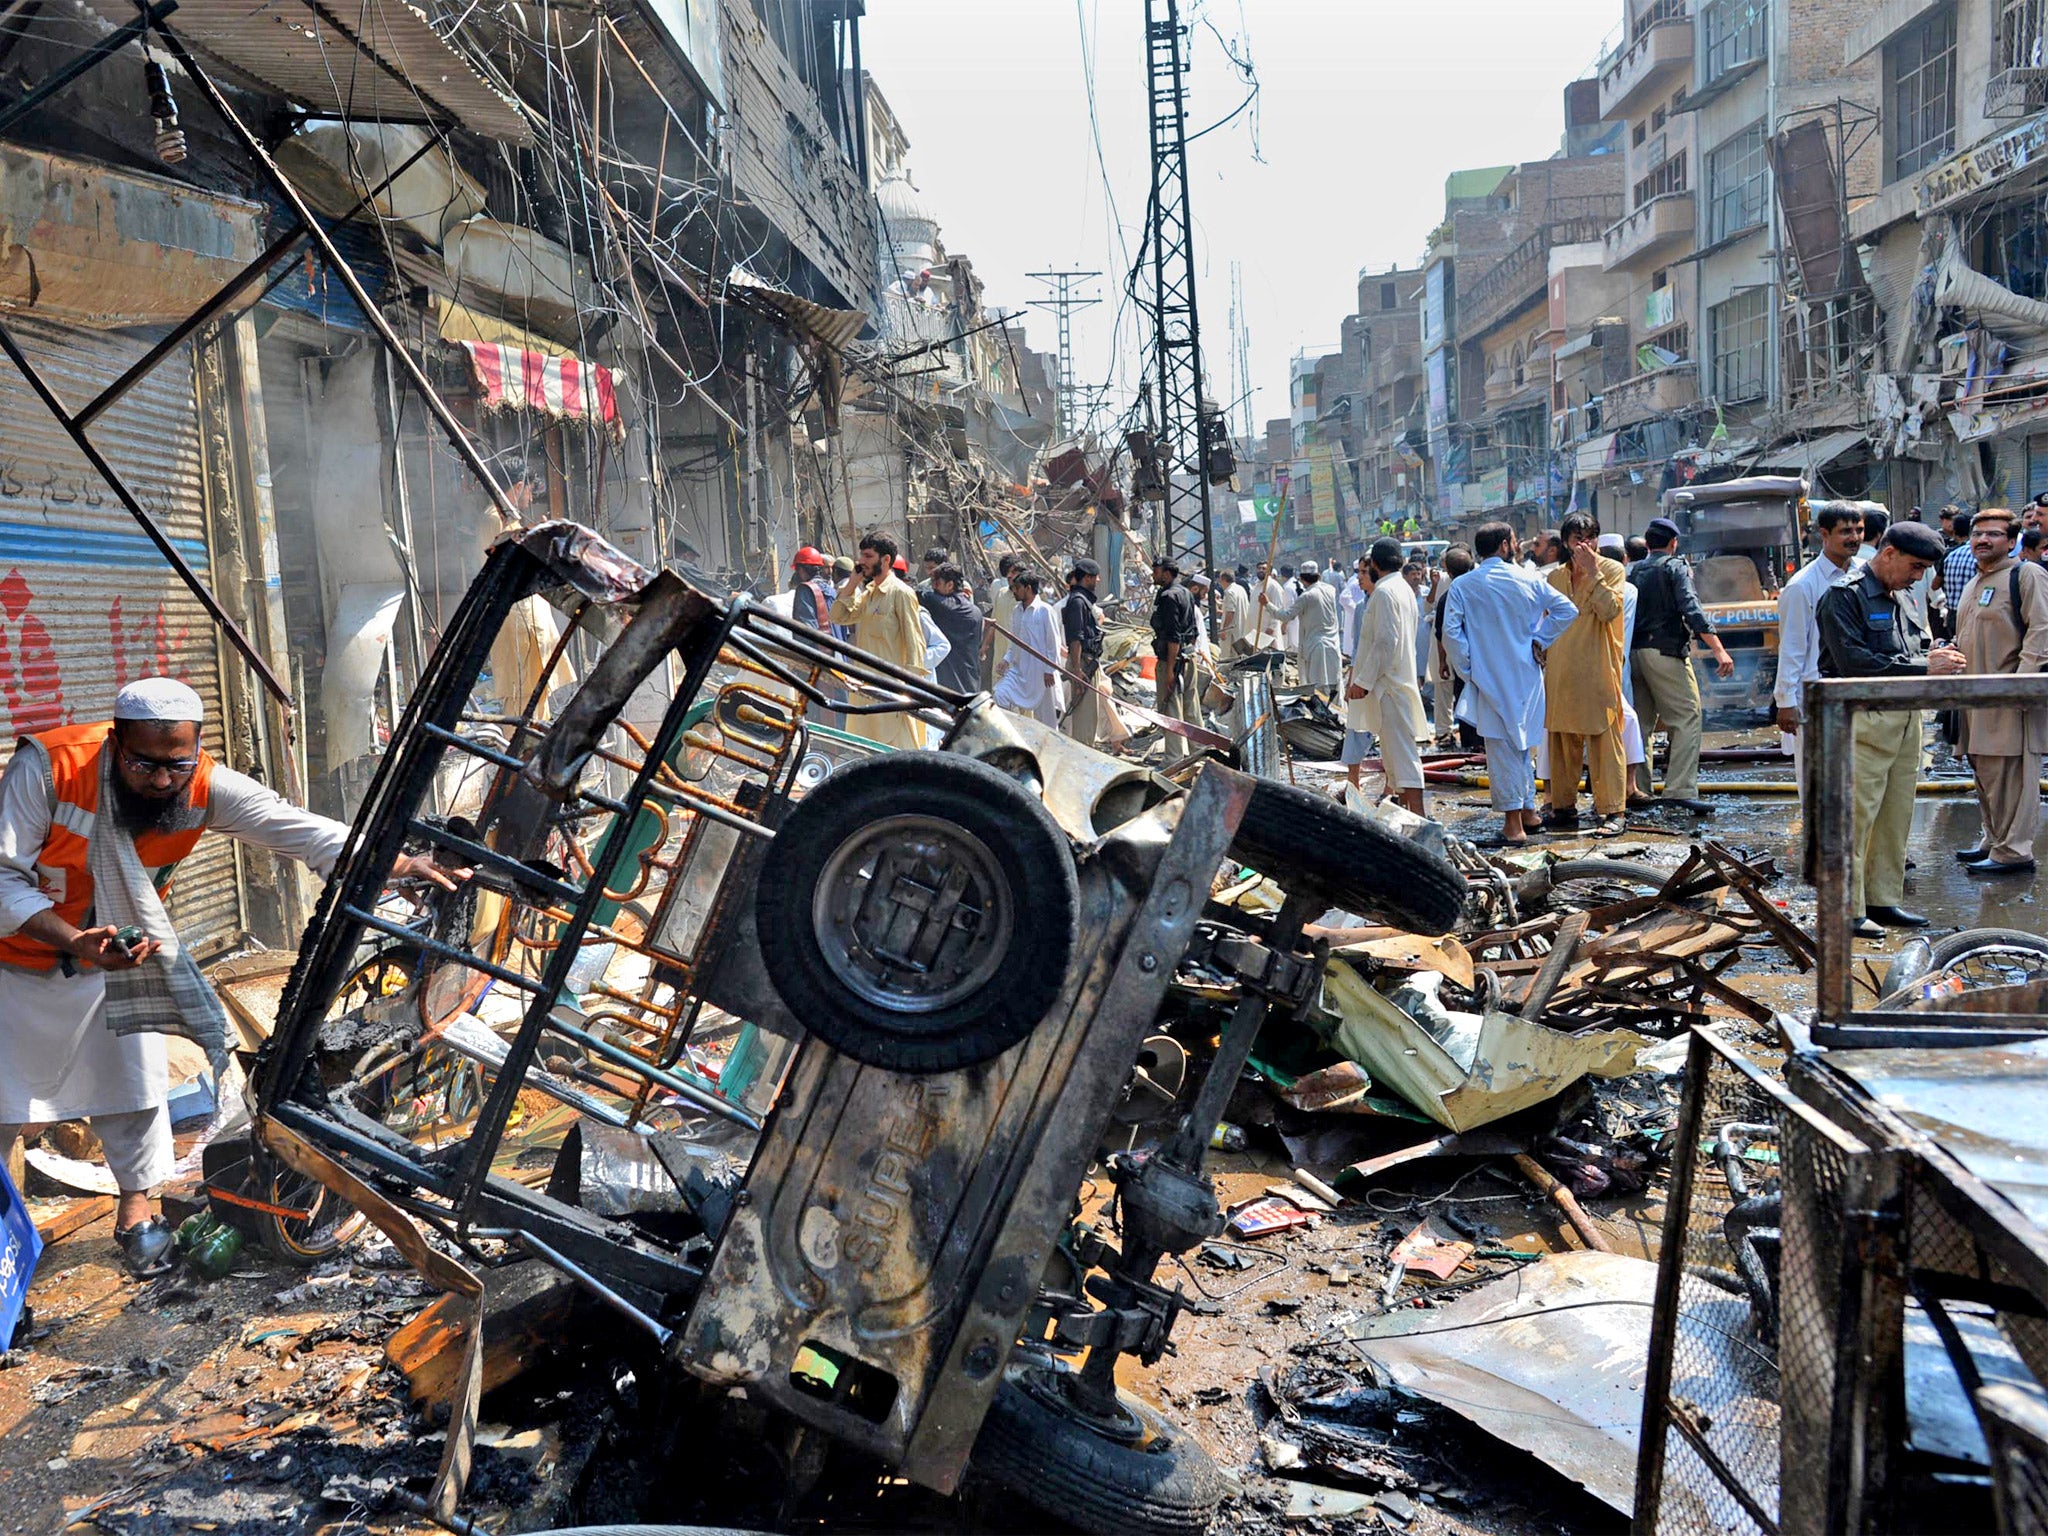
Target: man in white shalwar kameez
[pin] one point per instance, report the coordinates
(1494, 619)
(1273, 596)
(1322, 663)
(1349, 602)
(1380, 694)
(1031, 684)
(91, 819)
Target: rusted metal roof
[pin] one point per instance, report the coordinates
(833, 327)
(366, 60)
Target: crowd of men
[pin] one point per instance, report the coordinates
(1560, 663)
(1898, 599)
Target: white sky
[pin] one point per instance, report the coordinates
(1365, 107)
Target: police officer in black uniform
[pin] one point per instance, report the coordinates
(1865, 631)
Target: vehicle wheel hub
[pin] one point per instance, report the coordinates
(913, 914)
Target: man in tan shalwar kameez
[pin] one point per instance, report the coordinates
(2002, 626)
(884, 614)
(1582, 680)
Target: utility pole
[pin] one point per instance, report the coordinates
(1063, 303)
(1186, 526)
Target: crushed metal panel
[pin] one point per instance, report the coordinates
(380, 62)
(901, 1223)
(1468, 1079)
(831, 327)
(1550, 1359)
(1811, 195)
(91, 245)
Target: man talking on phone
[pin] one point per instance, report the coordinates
(93, 820)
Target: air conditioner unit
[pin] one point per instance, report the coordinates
(2016, 93)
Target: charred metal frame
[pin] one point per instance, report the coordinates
(464, 1198)
(1928, 1229)
(307, 227)
(1832, 704)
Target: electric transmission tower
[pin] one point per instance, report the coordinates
(1186, 528)
(1063, 303)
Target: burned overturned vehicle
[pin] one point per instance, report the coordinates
(797, 1050)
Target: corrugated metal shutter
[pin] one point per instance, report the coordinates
(2037, 466)
(86, 602)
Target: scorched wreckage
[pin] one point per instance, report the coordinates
(880, 1233)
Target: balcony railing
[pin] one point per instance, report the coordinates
(1659, 54)
(1524, 272)
(1650, 394)
(1654, 227)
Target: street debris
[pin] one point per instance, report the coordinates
(1550, 1360)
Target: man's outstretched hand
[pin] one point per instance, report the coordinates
(421, 866)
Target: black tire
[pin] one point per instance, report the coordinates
(988, 982)
(1645, 879)
(1957, 945)
(1298, 837)
(1165, 1485)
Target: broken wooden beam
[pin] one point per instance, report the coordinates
(1555, 965)
(525, 1308)
(1565, 1201)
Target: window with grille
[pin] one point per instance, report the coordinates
(1740, 331)
(1735, 185)
(2021, 44)
(1737, 31)
(1920, 92)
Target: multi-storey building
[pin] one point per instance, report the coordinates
(1954, 241)
(1489, 368)
(1391, 411)
(1632, 422)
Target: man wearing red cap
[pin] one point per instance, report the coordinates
(811, 587)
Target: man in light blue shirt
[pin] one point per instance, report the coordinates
(1496, 619)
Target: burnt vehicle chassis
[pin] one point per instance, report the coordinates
(903, 1265)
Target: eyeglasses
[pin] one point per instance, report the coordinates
(149, 767)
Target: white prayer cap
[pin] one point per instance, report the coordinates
(1310, 568)
(158, 698)
(1613, 544)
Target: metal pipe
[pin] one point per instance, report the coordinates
(700, 1095)
(558, 1260)
(458, 439)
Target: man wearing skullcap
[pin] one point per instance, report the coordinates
(93, 820)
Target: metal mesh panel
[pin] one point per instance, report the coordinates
(1815, 1169)
(2015, 1424)
(1751, 1260)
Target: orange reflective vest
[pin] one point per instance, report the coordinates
(61, 868)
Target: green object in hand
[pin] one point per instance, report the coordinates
(129, 938)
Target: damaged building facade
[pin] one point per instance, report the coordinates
(1955, 242)
(1737, 262)
(642, 261)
